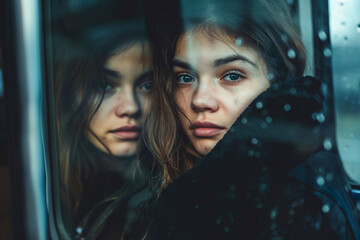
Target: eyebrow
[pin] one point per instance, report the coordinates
(145, 76)
(217, 63)
(233, 58)
(112, 73)
(182, 64)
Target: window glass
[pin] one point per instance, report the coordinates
(188, 119)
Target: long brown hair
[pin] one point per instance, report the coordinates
(264, 25)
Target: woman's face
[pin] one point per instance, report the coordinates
(217, 79)
(117, 124)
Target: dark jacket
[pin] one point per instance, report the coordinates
(244, 188)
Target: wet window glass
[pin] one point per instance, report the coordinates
(201, 119)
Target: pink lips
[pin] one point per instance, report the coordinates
(205, 129)
(128, 132)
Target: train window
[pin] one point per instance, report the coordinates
(182, 119)
(345, 42)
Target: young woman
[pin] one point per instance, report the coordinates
(228, 69)
(102, 96)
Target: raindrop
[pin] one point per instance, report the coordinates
(254, 141)
(327, 52)
(341, 4)
(244, 121)
(268, 120)
(273, 214)
(226, 229)
(259, 105)
(292, 212)
(196, 206)
(273, 226)
(347, 85)
(358, 205)
(327, 144)
(271, 76)
(320, 181)
(293, 91)
(329, 177)
(314, 116)
(290, 2)
(239, 41)
(322, 35)
(287, 107)
(251, 153)
(343, 23)
(291, 53)
(263, 125)
(346, 38)
(320, 117)
(79, 230)
(218, 221)
(259, 205)
(358, 28)
(326, 208)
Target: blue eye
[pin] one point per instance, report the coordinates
(105, 86)
(185, 79)
(146, 86)
(234, 77)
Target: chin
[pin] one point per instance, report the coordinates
(203, 147)
(124, 149)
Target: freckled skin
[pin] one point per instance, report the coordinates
(124, 104)
(213, 96)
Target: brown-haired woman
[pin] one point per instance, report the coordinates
(103, 91)
(230, 67)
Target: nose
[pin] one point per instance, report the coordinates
(127, 104)
(205, 97)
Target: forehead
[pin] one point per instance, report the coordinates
(135, 54)
(195, 44)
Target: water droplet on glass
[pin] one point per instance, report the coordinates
(346, 38)
(254, 141)
(327, 52)
(291, 53)
(352, 134)
(259, 205)
(271, 76)
(287, 107)
(251, 153)
(239, 41)
(314, 116)
(343, 23)
(320, 117)
(293, 91)
(263, 125)
(327, 144)
(326, 208)
(259, 105)
(218, 221)
(320, 181)
(347, 85)
(292, 212)
(329, 177)
(322, 35)
(268, 120)
(244, 121)
(257, 155)
(290, 2)
(78, 230)
(226, 229)
(358, 205)
(346, 148)
(273, 214)
(358, 28)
